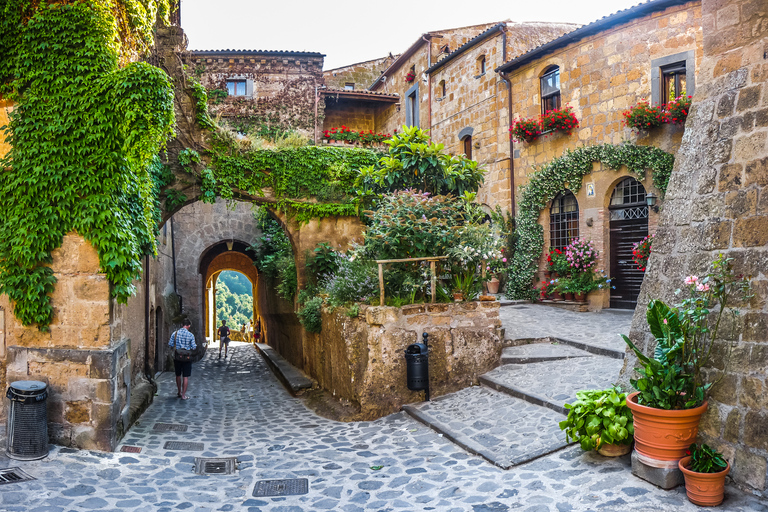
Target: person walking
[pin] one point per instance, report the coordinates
(249, 330)
(185, 340)
(242, 334)
(223, 338)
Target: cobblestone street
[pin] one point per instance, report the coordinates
(239, 409)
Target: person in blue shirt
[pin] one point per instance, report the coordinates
(183, 339)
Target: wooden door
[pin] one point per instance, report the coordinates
(628, 225)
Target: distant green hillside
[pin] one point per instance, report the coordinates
(234, 300)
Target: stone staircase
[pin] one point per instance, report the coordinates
(513, 416)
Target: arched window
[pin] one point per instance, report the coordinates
(481, 65)
(628, 200)
(563, 220)
(468, 146)
(441, 89)
(550, 89)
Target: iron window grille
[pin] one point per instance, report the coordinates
(628, 200)
(550, 90)
(563, 220)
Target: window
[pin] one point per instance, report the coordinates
(236, 87)
(628, 200)
(672, 82)
(468, 146)
(563, 220)
(481, 66)
(441, 89)
(412, 106)
(550, 90)
(349, 86)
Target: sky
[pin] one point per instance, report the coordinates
(355, 31)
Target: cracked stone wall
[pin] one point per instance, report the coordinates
(717, 202)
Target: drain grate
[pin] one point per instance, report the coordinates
(215, 466)
(281, 487)
(183, 445)
(13, 475)
(170, 427)
(131, 449)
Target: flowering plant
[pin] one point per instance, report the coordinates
(410, 76)
(676, 111)
(561, 119)
(557, 262)
(546, 289)
(346, 134)
(643, 116)
(686, 335)
(581, 255)
(583, 282)
(641, 251)
(525, 130)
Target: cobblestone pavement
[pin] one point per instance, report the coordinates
(600, 330)
(238, 409)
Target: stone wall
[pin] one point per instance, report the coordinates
(362, 359)
(361, 74)
(281, 87)
(717, 202)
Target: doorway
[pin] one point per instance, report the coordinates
(628, 225)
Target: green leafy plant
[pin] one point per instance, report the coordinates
(551, 179)
(643, 116)
(354, 280)
(273, 255)
(599, 417)
(310, 315)
(353, 311)
(323, 262)
(467, 284)
(705, 459)
(685, 338)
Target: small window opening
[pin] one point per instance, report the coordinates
(481, 65)
(236, 87)
(673, 82)
(468, 146)
(349, 86)
(550, 90)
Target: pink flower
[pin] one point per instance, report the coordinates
(703, 287)
(665, 321)
(691, 279)
(504, 260)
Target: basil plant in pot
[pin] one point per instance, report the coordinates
(672, 386)
(600, 420)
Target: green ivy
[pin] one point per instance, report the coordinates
(564, 172)
(84, 136)
(201, 105)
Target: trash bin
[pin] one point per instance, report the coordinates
(417, 366)
(27, 436)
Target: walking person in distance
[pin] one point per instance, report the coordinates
(184, 340)
(223, 338)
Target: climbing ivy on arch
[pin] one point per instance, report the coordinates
(85, 131)
(551, 179)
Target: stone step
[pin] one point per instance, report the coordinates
(504, 430)
(540, 352)
(554, 383)
(291, 377)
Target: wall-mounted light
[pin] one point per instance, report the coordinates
(230, 244)
(477, 145)
(650, 199)
(397, 107)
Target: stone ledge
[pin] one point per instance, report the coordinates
(293, 378)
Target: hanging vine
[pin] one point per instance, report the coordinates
(548, 181)
(84, 134)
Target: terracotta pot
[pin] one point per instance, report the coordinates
(568, 296)
(703, 489)
(458, 297)
(556, 296)
(661, 434)
(580, 297)
(614, 450)
(493, 286)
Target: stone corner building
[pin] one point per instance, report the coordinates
(717, 202)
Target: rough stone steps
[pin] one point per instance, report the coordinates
(553, 383)
(505, 430)
(540, 352)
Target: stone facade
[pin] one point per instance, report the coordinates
(362, 359)
(278, 88)
(717, 202)
(359, 76)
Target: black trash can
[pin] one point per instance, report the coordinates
(417, 366)
(27, 436)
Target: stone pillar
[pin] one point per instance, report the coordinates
(717, 202)
(87, 371)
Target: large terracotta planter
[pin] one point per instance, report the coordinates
(703, 489)
(661, 434)
(493, 286)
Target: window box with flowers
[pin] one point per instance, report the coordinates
(645, 117)
(676, 111)
(525, 130)
(365, 138)
(561, 119)
(410, 76)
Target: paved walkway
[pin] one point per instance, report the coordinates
(238, 409)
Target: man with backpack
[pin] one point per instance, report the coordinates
(223, 338)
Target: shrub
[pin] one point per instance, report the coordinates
(310, 315)
(324, 261)
(597, 418)
(273, 255)
(355, 280)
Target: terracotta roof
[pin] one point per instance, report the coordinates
(282, 53)
(595, 27)
(361, 94)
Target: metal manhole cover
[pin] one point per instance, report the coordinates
(184, 445)
(170, 427)
(131, 449)
(215, 466)
(281, 487)
(13, 475)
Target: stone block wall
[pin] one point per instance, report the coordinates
(356, 116)
(717, 202)
(361, 74)
(362, 359)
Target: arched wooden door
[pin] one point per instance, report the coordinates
(628, 225)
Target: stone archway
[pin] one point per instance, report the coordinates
(225, 260)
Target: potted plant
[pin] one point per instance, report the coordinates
(466, 286)
(561, 119)
(600, 420)
(643, 116)
(641, 251)
(565, 286)
(671, 391)
(704, 470)
(557, 263)
(525, 130)
(410, 76)
(676, 111)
